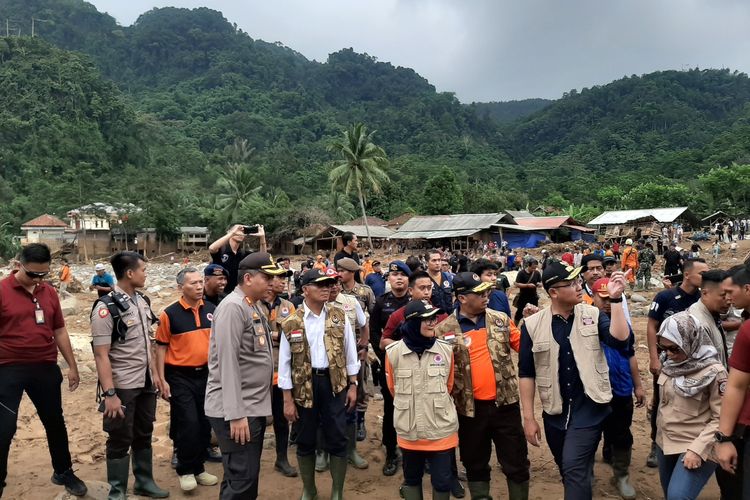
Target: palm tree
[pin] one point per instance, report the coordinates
(360, 166)
(237, 186)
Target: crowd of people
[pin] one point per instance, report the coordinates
(250, 338)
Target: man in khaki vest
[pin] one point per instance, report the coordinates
(318, 373)
(561, 354)
(485, 390)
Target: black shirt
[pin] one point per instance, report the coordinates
(524, 277)
(385, 305)
(578, 411)
(230, 261)
(344, 254)
(442, 294)
(463, 264)
(672, 260)
(215, 299)
(671, 301)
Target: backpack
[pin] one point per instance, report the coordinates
(116, 304)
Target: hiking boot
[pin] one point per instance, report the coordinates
(652, 461)
(282, 465)
(624, 488)
(321, 461)
(206, 479)
(351, 449)
(361, 430)
(390, 467)
(143, 470)
(307, 469)
(457, 489)
(480, 490)
(72, 484)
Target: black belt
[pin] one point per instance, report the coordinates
(320, 372)
(186, 369)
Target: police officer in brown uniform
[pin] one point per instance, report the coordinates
(485, 389)
(240, 374)
(277, 309)
(347, 269)
(122, 339)
(318, 373)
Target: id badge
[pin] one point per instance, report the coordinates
(39, 316)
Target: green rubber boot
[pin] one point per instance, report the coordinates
(518, 491)
(413, 492)
(118, 470)
(440, 495)
(351, 448)
(307, 472)
(480, 490)
(143, 470)
(338, 475)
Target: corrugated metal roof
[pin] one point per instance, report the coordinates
(194, 229)
(361, 231)
(542, 222)
(519, 213)
(450, 222)
(625, 216)
(432, 235)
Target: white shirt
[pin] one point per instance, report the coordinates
(315, 331)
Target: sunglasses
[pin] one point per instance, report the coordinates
(34, 275)
(673, 349)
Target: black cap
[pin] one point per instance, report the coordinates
(261, 261)
(215, 270)
(588, 258)
(469, 283)
(418, 308)
(608, 259)
(316, 276)
(559, 271)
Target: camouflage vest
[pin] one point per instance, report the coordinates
(498, 344)
(348, 304)
(363, 294)
(294, 331)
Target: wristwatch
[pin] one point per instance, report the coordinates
(109, 393)
(355, 383)
(721, 437)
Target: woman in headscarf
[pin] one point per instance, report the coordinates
(692, 381)
(419, 371)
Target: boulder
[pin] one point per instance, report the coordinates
(638, 298)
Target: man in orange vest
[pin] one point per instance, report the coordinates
(630, 261)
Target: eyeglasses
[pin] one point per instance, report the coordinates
(672, 349)
(34, 275)
(431, 320)
(573, 284)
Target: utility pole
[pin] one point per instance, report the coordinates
(33, 20)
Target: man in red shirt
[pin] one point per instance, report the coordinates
(735, 405)
(32, 330)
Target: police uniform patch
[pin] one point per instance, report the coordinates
(722, 387)
(103, 312)
(262, 340)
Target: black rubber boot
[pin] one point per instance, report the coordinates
(143, 470)
(282, 460)
(118, 470)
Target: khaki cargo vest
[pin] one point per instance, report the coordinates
(275, 317)
(498, 344)
(422, 407)
(300, 349)
(587, 351)
(348, 304)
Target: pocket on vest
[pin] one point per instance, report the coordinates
(403, 382)
(436, 379)
(590, 336)
(443, 411)
(402, 419)
(545, 387)
(603, 370)
(541, 353)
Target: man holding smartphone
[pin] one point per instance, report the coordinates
(227, 251)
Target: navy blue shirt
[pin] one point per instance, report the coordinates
(499, 302)
(376, 281)
(671, 301)
(442, 294)
(578, 410)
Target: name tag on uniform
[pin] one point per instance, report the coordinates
(450, 337)
(295, 336)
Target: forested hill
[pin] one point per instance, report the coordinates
(161, 102)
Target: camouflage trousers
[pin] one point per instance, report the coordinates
(644, 274)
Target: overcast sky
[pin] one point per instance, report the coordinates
(497, 50)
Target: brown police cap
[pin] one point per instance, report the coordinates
(261, 261)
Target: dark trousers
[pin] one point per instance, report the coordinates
(522, 302)
(280, 423)
(241, 461)
(41, 382)
(135, 430)
(493, 424)
(440, 468)
(189, 426)
(574, 451)
(654, 408)
(616, 430)
(732, 485)
(329, 413)
(389, 431)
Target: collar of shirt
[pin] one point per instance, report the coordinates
(187, 306)
(467, 324)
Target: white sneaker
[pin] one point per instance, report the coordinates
(188, 482)
(206, 479)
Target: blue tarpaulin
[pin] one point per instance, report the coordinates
(523, 240)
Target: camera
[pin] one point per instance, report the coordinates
(254, 229)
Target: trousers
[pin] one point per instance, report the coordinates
(189, 425)
(241, 461)
(135, 430)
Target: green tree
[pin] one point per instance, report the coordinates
(360, 168)
(655, 195)
(442, 194)
(729, 187)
